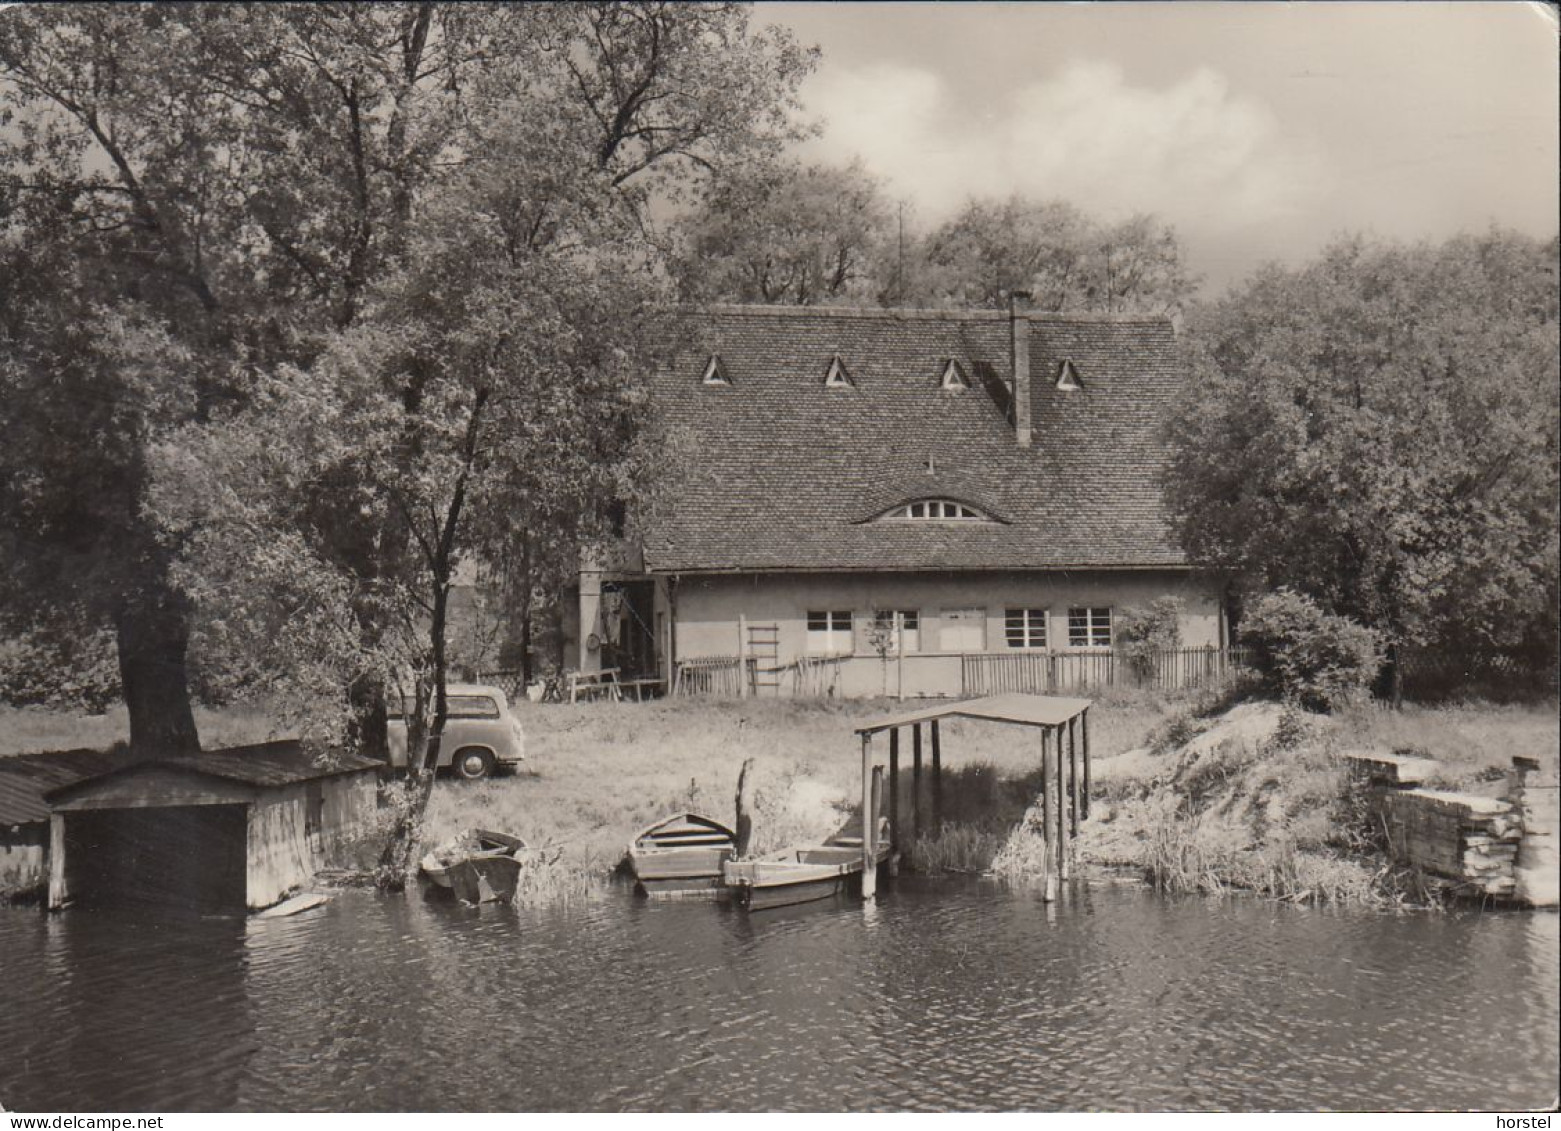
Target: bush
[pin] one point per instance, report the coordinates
(1139, 634)
(1308, 656)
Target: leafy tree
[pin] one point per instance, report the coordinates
(182, 230)
(1063, 257)
(1378, 430)
(785, 233)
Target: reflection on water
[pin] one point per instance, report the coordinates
(959, 995)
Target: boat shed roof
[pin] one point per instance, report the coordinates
(25, 778)
(264, 765)
(1013, 707)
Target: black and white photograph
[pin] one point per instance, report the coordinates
(657, 557)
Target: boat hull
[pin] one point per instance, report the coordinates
(682, 856)
(493, 873)
(799, 875)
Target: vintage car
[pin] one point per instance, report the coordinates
(480, 734)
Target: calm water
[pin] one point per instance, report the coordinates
(943, 996)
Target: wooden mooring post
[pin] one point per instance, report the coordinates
(869, 865)
(937, 780)
(894, 788)
(1073, 781)
(1084, 727)
(1062, 808)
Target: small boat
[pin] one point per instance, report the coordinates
(478, 867)
(682, 855)
(803, 874)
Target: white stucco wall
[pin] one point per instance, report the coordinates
(707, 612)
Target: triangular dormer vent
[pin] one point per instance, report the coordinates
(837, 377)
(954, 376)
(1067, 376)
(715, 372)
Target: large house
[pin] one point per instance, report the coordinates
(869, 497)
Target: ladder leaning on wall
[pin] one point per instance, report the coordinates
(764, 649)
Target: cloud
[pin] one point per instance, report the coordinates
(1193, 151)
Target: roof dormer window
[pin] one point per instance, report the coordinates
(1067, 376)
(954, 376)
(837, 377)
(715, 372)
(935, 510)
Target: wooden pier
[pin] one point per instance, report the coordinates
(1065, 767)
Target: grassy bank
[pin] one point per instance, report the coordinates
(597, 773)
(1264, 807)
(1260, 800)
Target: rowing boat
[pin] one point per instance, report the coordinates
(479, 867)
(681, 855)
(804, 873)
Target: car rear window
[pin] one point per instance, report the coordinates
(472, 707)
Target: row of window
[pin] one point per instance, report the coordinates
(833, 631)
(838, 377)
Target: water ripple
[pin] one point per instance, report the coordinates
(945, 996)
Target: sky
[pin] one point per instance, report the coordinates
(1260, 130)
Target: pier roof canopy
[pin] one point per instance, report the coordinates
(1014, 707)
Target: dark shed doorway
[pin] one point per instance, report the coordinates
(192, 856)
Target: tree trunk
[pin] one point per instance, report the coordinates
(153, 635)
(367, 728)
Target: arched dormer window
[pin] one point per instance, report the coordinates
(935, 510)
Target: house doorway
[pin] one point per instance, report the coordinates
(628, 635)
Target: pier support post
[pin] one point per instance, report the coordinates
(869, 865)
(894, 787)
(937, 779)
(916, 778)
(1084, 726)
(1062, 814)
(1046, 813)
(1073, 780)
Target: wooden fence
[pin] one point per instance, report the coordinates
(986, 673)
(1169, 669)
(712, 675)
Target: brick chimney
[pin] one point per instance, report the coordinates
(1019, 327)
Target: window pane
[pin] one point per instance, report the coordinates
(471, 707)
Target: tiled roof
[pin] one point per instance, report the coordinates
(786, 474)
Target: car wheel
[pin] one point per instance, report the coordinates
(472, 763)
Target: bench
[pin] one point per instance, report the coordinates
(595, 685)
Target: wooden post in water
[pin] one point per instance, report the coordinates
(1073, 781)
(1062, 813)
(59, 892)
(1084, 726)
(916, 778)
(877, 805)
(869, 868)
(1046, 821)
(744, 805)
(937, 780)
(894, 787)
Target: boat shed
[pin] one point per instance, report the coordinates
(24, 814)
(224, 830)
(1063, 724)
